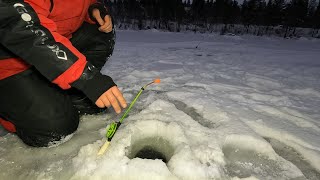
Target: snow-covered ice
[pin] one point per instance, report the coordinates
(232, 108)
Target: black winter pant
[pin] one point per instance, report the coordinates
(40, 110)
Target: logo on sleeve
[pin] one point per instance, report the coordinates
(25, 16)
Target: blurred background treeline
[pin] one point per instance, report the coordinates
(293, 18)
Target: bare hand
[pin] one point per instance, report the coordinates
(105, 23)
(112, 97)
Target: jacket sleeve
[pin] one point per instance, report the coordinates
(33, 38)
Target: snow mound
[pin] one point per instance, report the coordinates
(176, 135)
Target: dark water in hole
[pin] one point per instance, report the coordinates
(149, 153)
(151, 148)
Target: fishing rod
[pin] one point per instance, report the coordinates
(114, 126)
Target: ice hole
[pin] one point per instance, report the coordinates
(151, 148)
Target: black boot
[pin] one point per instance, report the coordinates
(83, 104)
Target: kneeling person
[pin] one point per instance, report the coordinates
(51, 54)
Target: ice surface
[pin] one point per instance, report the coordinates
(233, 108)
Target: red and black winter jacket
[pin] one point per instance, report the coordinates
(37, 32)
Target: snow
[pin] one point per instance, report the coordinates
(235, 107)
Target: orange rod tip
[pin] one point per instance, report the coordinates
(157, 81)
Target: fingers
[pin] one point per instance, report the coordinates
(113, 101)
(105, 101)
(96, 14)
(105, 23)
(100, 103)
(107, 26)
(112, 97)
(106, 29)
(119, 96)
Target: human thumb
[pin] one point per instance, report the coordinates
(96, 14)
